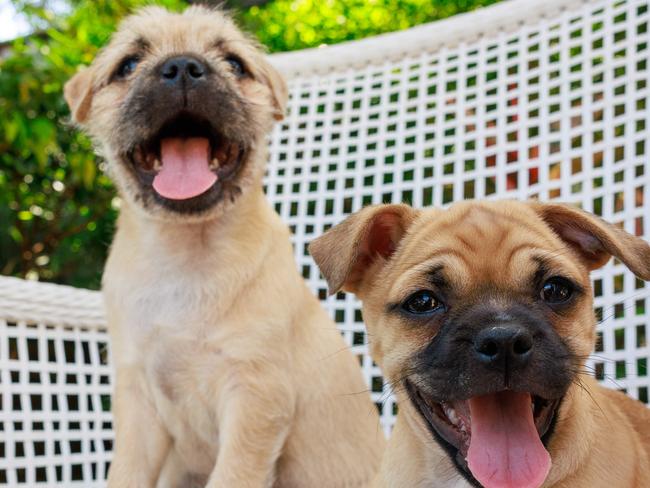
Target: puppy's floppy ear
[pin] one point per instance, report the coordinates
(346, 252)
(278, 87)
(595, 240)
(78, 93)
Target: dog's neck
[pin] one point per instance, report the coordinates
(220, 255)
(412, 458)
(176, 268)
(198, 237)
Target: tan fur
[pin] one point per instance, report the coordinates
(602, 438)
(228, 370)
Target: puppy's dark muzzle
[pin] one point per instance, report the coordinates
(188, 84)
(484, 348)
(485, 353)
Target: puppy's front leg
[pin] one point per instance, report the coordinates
(253, 429)
(141, 442)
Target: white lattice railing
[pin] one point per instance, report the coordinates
(528, 98)
(55, 386)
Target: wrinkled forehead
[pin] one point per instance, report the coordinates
(194, 28)
(486, 243)
(158, 32)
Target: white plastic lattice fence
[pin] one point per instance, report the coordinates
(529, 98)
(55, 386)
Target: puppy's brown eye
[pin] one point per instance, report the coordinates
(422, 302)
(557, 290)
(236, 65)
(127, 66)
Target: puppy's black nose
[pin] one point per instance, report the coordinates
(504, 344)
(180, 68)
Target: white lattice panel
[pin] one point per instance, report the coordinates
(528, 98)
(55, 386)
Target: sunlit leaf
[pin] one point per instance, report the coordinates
(25, 215)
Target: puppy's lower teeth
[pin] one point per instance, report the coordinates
(157, 164)
(451, 415)
(214, 164)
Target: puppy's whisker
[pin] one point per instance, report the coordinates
(391, 388)
(586, 390)
(346, 348)
(605, 359)
(614, 313)
(360, 392)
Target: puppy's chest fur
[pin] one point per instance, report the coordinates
(185, 376)
(170, 333)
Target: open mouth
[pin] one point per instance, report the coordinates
(187, 158)
(498, 439)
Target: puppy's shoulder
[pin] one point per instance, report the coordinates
(637, 413)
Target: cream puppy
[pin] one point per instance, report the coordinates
(229, 373)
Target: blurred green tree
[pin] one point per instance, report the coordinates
(57, 208)
(55, 203)
(285, 25)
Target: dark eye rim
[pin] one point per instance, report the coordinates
(438, 308)
(239, 67)
(120, 73)
(574, 290)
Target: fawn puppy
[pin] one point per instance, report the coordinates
(481, 316)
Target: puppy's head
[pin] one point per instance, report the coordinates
(180, 105)
(482, 315)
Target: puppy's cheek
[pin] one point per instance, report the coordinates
(253, 169)
(582, 343)
(402, 348)
(259, 97)
(578, 334)
(103, 118)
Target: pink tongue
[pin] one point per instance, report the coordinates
(185, 171)
(505, 450)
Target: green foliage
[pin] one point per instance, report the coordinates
(56, 205)
(285, 25)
